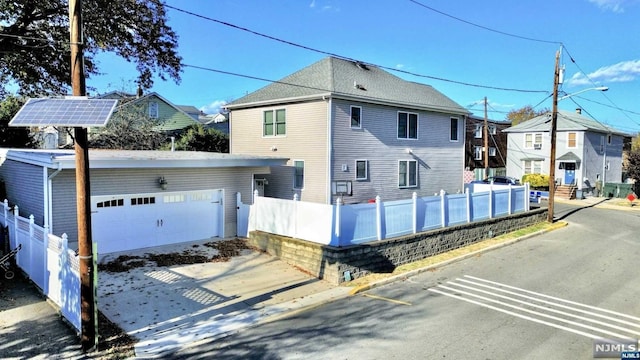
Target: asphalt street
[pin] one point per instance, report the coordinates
(547, 297)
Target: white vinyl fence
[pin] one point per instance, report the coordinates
(47, 261)
(344, 225)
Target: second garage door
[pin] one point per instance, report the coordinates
(134, 221)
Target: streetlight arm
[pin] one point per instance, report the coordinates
(599, 88)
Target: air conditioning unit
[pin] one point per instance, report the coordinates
(537, 146)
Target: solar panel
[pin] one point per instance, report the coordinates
(72, 112)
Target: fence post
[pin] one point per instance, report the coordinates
(468, 194)
(491, 201)
(378, 217)
(510, 210)
(295, 215)
(443, 210)
(45, 242)
(414, 198)
(31, 246)
(527, 193)
(338, 224)
(16, 211)
(255, 196)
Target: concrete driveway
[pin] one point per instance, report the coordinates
(170, 307)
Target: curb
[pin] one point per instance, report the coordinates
(408, 274)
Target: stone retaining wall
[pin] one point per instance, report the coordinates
(331, 263)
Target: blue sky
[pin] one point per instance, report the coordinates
(600, 40)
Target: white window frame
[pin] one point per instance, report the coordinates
(534, 138)
(477, 153)
(457, 133)
(493, 129)
(275, 123)
(492, 151)
(297, 186)
(575, 139)
(351, 117)
(408, 129)
(154, 109)
(533, 165)
(366, 169)
(478, 131)
(407, 178)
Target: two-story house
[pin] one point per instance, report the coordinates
(587, 152)
(351, 130)
(476, 154)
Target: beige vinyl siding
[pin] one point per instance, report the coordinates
(24, 184)
(440, 161)
(141, 181)
(305, 139)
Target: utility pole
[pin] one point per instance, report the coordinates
(554, 125)
(88, 336)
(486, 140)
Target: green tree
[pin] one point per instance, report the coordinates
(13, 137)
(128, 130)
(197, 138)
(633, 167)
(523, 114)
(34, 38)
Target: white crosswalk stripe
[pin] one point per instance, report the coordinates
(582, 319)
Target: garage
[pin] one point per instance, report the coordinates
(138, 198)
(133, 221)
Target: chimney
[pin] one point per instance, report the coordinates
(578, 111)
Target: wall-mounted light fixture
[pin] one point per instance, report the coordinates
(408, 151)
(163, 183)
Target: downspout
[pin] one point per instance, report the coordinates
(48, 196)
(329, 146)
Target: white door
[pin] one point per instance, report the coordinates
(126, 222)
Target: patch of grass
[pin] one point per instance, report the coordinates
(436, 259)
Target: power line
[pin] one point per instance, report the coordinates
(484, 27)
(293, 84)
(346, 57)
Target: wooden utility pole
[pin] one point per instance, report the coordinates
(554, 125)
(486, 140)
(83, 192)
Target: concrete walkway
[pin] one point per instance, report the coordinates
(169, 307)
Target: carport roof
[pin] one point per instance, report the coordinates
(117, 159)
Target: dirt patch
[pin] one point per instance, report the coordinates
(225, 250)
(113, 342)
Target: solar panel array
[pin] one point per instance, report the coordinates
(72, 112)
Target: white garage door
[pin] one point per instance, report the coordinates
(126, 222)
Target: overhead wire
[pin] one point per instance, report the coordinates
(191, 13)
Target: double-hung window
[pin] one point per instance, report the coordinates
(356, 117)
(477, 152)
(361, 170)
(407, 125)
(492, 130)
(274, 123)
(477, 133)
(298, 174)
(533, 166)
(153, 109)
(492, 151)
(454, 130)
(572, 140)
(407, 173)
(532, 141)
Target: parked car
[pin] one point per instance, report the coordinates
(502, 180)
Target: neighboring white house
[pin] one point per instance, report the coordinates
(138, 198)
(586, 150)
(351, 130)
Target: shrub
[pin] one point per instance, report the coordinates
(536, 181)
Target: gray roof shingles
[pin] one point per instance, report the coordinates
(567, 121)
(338, 77)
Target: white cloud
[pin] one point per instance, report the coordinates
(399, 66)
(214, 107)
(313, 4)
(612, 5)
(624, 71)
